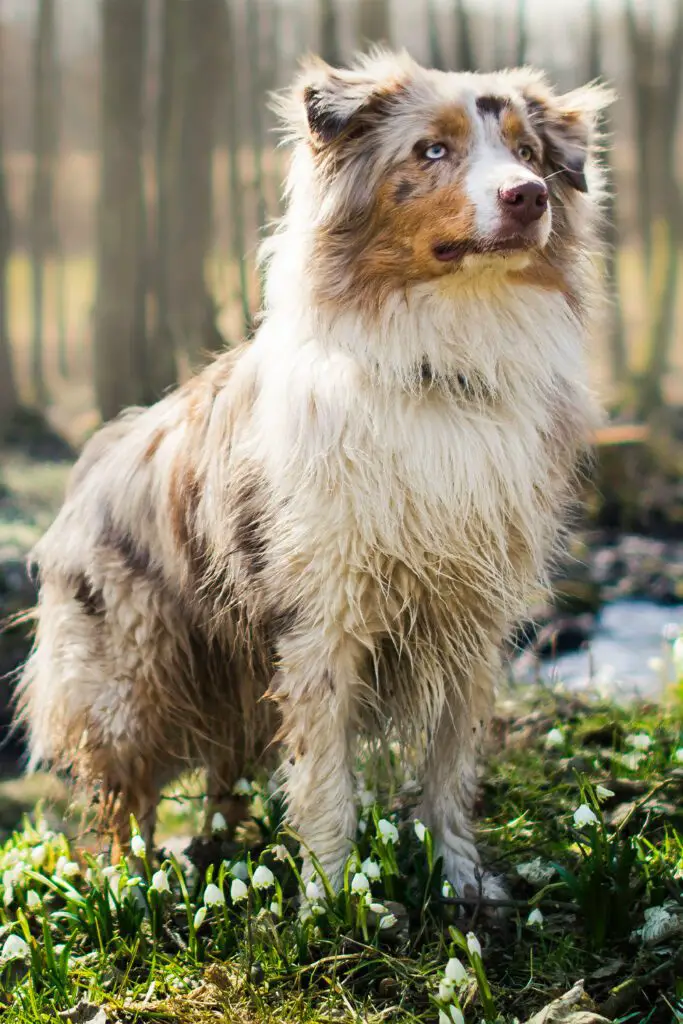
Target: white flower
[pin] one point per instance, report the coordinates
(632, 760)
(263, 877)
(14, 948)
(447, 890)
(213, 896)
(8, 895)
(199, 918)
(138, 846)
(38, 855)
(359, 882)
(444, 1018)
(585, 815)
(367, 798)
(456, 1015)
(276, 909)
(473, 944)
(218, 822)
(362, 826)
(238, 890)
(446, 990)
(33, 900)
(242, 787)
(678, 755)
(376, 908)
(239, 870)
(603, 793)
(69, 868)
(677, 655)
(388, 833)
(371, 869)
(555, 738)
(312, 891)
(455, 971)
(114, 881)
(160, 881)
(388, 921)
(13, 876)
(535, 872)
(420, 830)
(535, 918)
(639, 740)
(280, 852)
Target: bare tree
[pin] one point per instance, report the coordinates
(44, 155)
(8, 393)
(374, 22)
(465, 59)
(119, 348)
(329, 37)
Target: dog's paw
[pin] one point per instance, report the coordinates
(470, 882)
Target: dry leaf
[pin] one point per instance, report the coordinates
(85, 1013)
(574, 1007)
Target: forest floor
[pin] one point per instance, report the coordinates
(581, 812)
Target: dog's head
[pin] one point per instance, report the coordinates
(409, 174)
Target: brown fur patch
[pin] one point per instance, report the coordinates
(153, 446)
(134, 557)
(492, 105)
(250, 528)
(453, 124)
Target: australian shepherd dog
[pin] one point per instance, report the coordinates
(348, 514)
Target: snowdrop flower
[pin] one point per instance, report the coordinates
(447, 890)
(199, 918)
(473, 944)
(388, 833)
(367, 798)
(585, 815)
(115, 882)
(362, 826)
(535, 872)
(238, 890)
(371, 869)
(677, 655)
(138, 846)
(678, 755)
(263, 877)
(313, 892)
(535, 918)
(213, 896)
(603, 793)
(38, 855)
(276, 909)
(8, 896)
(455, 971)
(456, 1015)
(218, 822)
(13, 876)
(388, 921)
(639, 740)
(444, 1018)
(33, 900)
(242, 787)
(359, 883)
(632, 760)
(555, 738)
(420, 830)
(160, 881)
(280, 852)
(239, 870)
(14, 948)
(446, 990)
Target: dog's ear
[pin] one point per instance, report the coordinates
(343, 103)
(568, 127)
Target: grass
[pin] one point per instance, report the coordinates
(580, 809)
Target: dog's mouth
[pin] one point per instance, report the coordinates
(450, 252)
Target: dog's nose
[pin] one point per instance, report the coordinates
(526, 202)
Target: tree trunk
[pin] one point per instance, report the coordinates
(374, 23)
(464, 46)
(44, 156)
(329, 39)
(8, 392)
(119, 309)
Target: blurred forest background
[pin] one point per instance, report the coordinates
(139, 166)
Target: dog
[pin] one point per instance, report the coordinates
(348, 514)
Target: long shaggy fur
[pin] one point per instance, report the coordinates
(349, 513)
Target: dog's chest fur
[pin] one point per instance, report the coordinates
(420, 508)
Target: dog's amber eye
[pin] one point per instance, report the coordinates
(525, 153)
(435, 151)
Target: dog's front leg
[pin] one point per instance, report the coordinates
(317, 688)
(450, 786)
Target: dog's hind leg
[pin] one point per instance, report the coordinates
(450, 787)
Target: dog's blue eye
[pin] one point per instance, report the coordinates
(437, 151)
